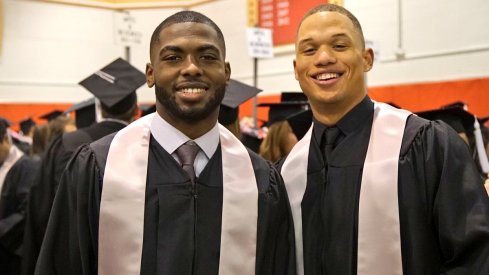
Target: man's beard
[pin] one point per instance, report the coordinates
(190, 115)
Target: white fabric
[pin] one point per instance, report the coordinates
(388, 126)
(13, 156)
(123, 197)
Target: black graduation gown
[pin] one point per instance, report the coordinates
(444, 211)
(13, 202)
(44, 189)
(181, 232)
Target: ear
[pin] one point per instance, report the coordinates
(227, 70)
(368, 59)
(150, 79)
(295, 71)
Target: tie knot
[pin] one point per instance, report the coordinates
(187, 152)
(330, 135)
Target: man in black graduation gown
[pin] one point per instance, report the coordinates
(441, 211)
(118, 102)
(130, 203)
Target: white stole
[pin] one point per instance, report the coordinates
(379, 242)
(123, 197)
(13, 156)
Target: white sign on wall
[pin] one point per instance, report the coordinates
(126, 33)
(260, 43)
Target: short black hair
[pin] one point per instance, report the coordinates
(339, 9)
(184, 17)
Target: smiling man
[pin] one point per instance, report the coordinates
(374, 189)
(137, 202)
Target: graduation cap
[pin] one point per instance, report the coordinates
(293, 97)
(300, 123)
(281, 111)
(85, 114)
(51, 115)
(458, 118)
(236, 94)
(26, 125)
(115, 86)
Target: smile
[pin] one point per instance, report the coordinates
(327, 76)
(191, 90)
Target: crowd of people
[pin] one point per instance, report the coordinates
(334, 183)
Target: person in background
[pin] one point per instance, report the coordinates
(115, 86)
(374, 189)
(280, 137)
(16, 174)
(174, 192)
(236, 94)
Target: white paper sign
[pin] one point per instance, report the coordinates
(125, 30)
(260, 44)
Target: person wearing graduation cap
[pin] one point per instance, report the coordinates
(374, 189)
(236, 94)
(280, 137)
(17, 171)
(114, 86)
(174, 192)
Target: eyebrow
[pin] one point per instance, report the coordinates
(310, 39)
(201, 48)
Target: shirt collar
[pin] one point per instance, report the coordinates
(351, 121)
(171, 138)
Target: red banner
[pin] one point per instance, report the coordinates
(283, 17)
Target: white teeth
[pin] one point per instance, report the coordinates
(191, 90)
(327, 76)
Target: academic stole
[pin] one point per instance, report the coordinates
(379, 241)
(13, 156)
(121, 221)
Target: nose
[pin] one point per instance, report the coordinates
(191, 67)
(324, 57)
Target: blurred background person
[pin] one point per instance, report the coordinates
(114, 86)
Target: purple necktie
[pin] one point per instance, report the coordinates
(187, 153)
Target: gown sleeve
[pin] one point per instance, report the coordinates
(69, 246)
(439, 169)
(276, 241)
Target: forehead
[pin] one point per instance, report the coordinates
(189, 32)
(325, 22)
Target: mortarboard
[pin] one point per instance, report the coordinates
(459, 119)
(293, 97)
(51, 115)
(115, 85)
(85, 114)
(300, 123)
(236, 94)
(26, 125)
(281, 111)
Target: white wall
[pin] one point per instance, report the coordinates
(48, 48)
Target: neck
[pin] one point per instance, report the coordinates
(192, 129)
(330, 113)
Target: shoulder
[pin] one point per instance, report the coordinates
(420, 132)
(267, 177)
(72, 140)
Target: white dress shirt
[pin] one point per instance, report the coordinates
(171, 138)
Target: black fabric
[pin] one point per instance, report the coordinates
(182, 223)
(328, 141)
(13, 203)
(46, 183)
(440, 232)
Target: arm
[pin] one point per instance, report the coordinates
(69, 246)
